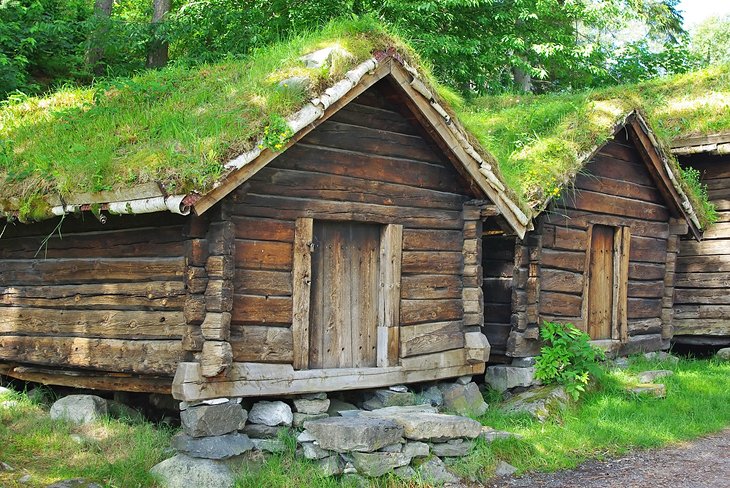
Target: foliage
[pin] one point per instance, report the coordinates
(692, 177)
(710, 40)
(567, 358)
(276, 134)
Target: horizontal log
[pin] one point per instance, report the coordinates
(123, 356)
(117, 324)
(374, 118)
(424, 262)
(717, 296)
(419, 311)
(260, 229)
(620, 187)
(261, 282)
(644, 308)
(646, 271)
(151, 295)
(497, 290)
(431, 337)
(265, 255)
(578, 219)
(497, 312)
(703, 248)
(646, 289)
(610, 166)
(648, 250)
(702, 280)
(694, 311)
(428, 287)
(624, 152)
(709, 327)
(258, 344)
(253, 309)
(561, 281)
(564, 238)
(432, 240)
(644, 326)
(642, 343)
(719, 230)
(498, 268)
(69, 271)
(560, 304)
(566, 260)
(702, 264)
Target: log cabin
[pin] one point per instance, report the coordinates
(602, 254)
(702, 286)
(349, 258)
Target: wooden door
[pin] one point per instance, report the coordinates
(601, 283)
(344, 295)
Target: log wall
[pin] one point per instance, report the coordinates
(82, 295)
(371, 163)
(702, 293)
(498, 264)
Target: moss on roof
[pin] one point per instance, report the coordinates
(542, 141)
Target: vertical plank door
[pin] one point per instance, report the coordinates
(600, 286)
(344, 295)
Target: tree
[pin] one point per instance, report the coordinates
(157, 55)
(710, 40)
(95, 51)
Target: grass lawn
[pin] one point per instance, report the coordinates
(607, 422)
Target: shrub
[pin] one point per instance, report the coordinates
(567, 357)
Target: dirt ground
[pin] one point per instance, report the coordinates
(703, 463)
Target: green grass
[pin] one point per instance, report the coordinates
(607, 422)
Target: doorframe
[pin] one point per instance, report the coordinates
(619, 312)
(388, 327)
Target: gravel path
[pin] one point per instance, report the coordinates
(703, 463)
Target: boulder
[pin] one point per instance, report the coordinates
(463, 399)
(434, 471)
(313, 451)
(305, 436)
(300, 418)
(5, 391)
(337, 406)
(405, 473)
(216, 447)
(211, 420)
(274, 446)
(504, 469)
(452, 448)
(311, 407)
(79, 409)
(524, 362)
(398, 447)
(182, 471)
(343, 434)
(296, 83)
(463, 380)
(331, 465)
(723, 354)
(541, 402)
(490, 435)
(416, 449)
(651, 376)
(325, 57)
(502, 377)
(661, 356)
(379, 463)
(658, 390)
(271, 414)
(260, 431)
(390, 398)
(432, 396)
(427, 425)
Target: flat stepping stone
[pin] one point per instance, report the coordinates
(344, 434)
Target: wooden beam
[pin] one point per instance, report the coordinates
(391, 251)
(301, 286)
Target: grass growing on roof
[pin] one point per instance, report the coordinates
(541, 141)
(176, 125)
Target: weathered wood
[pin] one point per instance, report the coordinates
(419, 311)
(577, 219)
(560, 304)
(194, 309)
(432, 240)
(616, 205)
(79, 271)
(700, 296)
(497, 290)
(422, 262)
(375, 118)
(646, 271)
(216, 326)
(253, 309)
(431, 337)
(196, 252)
(648, 250)
(220, 267)
(196, 279)
(265, 255)
(389, 294)
(192, 339)
(262, 282)
(215, 358)
(219, 296)
(688, 311)
(624, 188)
(561, 281)
(705, 248)
(644, 326)
(564, 260)
(132, 356)
(302, 281)
(259, 229)
(429, 287)
(710, 327)
(251, 343)
(221, 237)
(645, 289)
(115, 324)
(644, 308)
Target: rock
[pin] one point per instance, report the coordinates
(6, 467)
(621, 363)
(416, 449)
(490, 435)
(427, 425)
(305, 436)
(212, 420)
(9, 404)
(300, 418)
(504, 469)
(354, 434)
(651, 376)
(260, 431)
(74, 483)
(271, 413)
(658, 390)
(432, 396)
(463, 399)
(389, 398)
(119, 410)
(354, 480)
(540, 402)
(331, 465)
(375, 464)
(216, 447)
(524, 362)
(181, 471)
(41, 396)
(274, 446)
(399, 388)
(723, 354)
(77, 439)
(452, 448)
(313, 451)
(408, 409)
(312, 407)
(503, 377)
(434, 471)
(463, 380)
(314, 396)
(25, 478)
(325, 57)
(661, 356)
(405, 473)
(6, 391)
(79, 409)
(337, 406)
(297, 83)
(392, 448)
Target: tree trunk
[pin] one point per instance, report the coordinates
(522, 79)
(157, 54)
(95, 51)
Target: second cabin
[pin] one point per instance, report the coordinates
(601, 256)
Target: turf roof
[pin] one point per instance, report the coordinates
(542, 141)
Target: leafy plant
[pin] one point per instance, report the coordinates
(276, 134)
(567, 358)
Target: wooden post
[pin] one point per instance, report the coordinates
(301, 288)
(388, 333)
